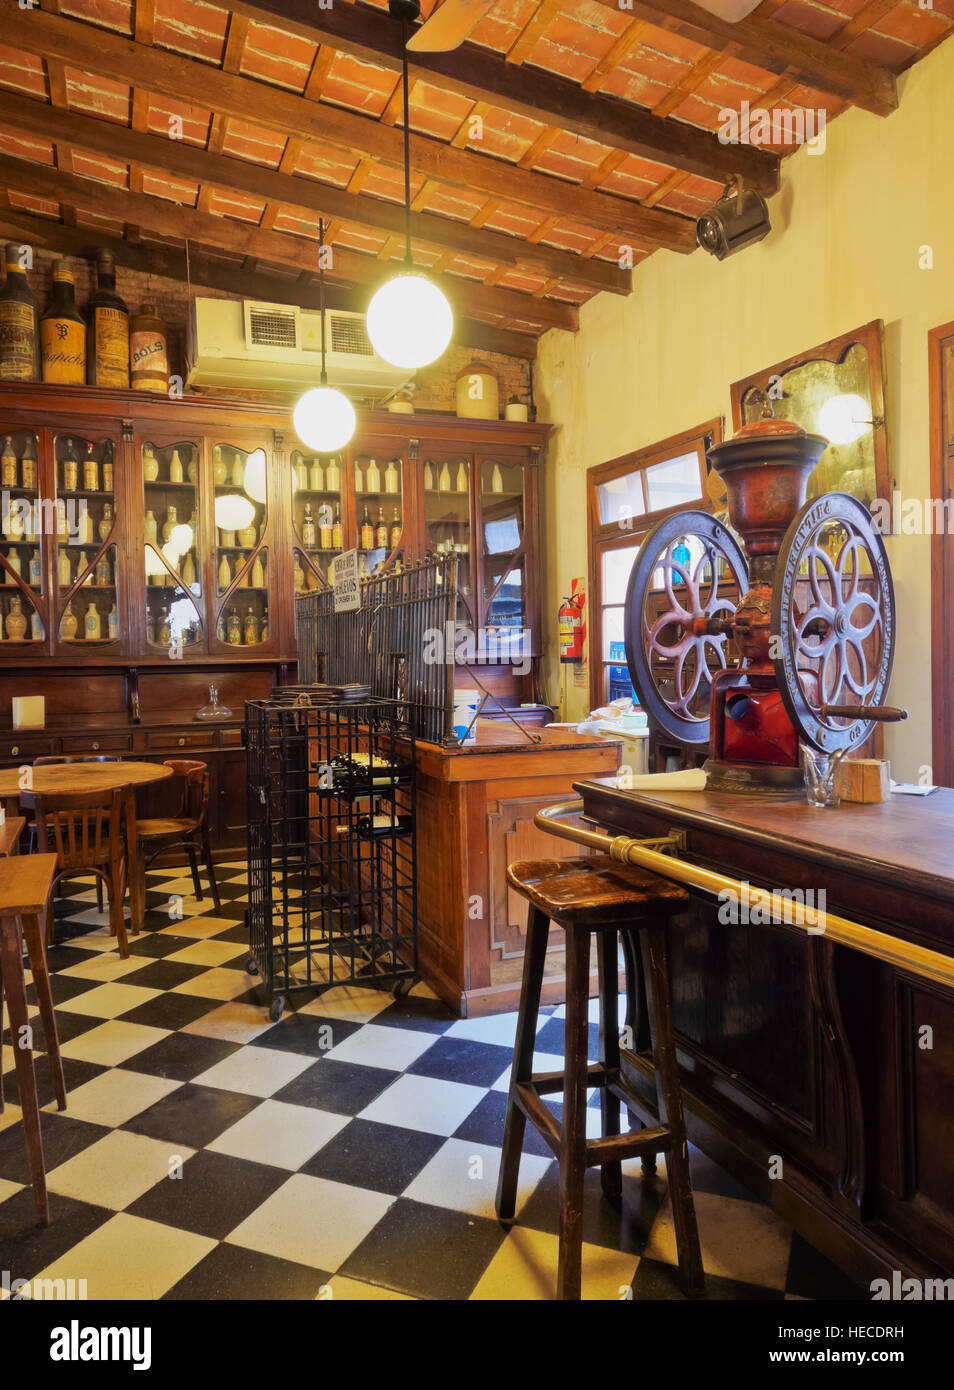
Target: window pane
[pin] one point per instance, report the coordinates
(614, 647)
(618, 683)
(616, 568)
(674, 482)
(621, 498)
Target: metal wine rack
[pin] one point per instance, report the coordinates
(331, 842)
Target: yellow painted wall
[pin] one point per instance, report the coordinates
(847, 228)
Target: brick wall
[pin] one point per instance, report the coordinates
(436, 385)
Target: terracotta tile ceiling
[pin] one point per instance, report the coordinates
(248, 116)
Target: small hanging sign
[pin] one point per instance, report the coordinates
(347, 598)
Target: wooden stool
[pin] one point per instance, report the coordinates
(584, 895)
(25, 887)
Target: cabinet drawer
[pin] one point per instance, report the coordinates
(232, 738)
(25, 746)
(168, 738)
(98, 743)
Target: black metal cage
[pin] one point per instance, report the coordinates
(331, 842)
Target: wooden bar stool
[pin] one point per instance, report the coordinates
(585, 895)
(25, 887)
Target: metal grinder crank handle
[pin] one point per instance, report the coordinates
(904, 955)
(888, 714)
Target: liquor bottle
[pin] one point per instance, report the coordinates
(372, 480)
(15, 621)
(381, 531)
(112, 623)
(19, 335)
(251, 629)
(8, 464)
(150, 464)
(175, 468)
(90, 471)
(36, 570)
(238, 469)
(317, 476)
(219, 470)
(308, 528)
(106, 521)
(165, 628)
(391, 477)
(367, 531)
(358, 480)
(225, 574)
(108, 466)
(13, 560)
(91, 623)
(28, 464)
(70, 469)
(395, 529)
(63, 332)
(104, 572)
(325, 528)
(496, 481)
(64, 572)
(234, 629)
(428, 476)
(84, 526)
(333, 476)
(258, 573)
(148, 352)
(337, 531)
(263, 636)
(68, 623)
(461, 478)
(107, 342)
(445, 479)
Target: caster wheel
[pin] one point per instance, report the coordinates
(277, 1008)
(251, 968)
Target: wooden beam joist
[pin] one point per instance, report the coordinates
(307, 197)
(229, 277)
(166, 218)
(776, 47)
(96, 50)
(372, 36)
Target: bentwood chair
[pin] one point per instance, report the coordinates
(188, 830)
(49, 758)
(85, 832)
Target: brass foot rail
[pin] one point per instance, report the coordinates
(932, 965)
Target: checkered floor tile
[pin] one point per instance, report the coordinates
(208, 1153)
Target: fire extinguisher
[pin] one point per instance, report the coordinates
(571, 629)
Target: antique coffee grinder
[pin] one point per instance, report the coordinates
(785, 639)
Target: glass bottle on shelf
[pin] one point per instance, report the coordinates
(251, 628)
(63, 332)
(308, 528)
(150, 464)
(108, 466)
(112, 620)
(106, 522)
(28, 468)
(70, 468)
(68, 623)
(19, 327)
(316, 476)
(107, 342)
(90, 471)
(392, 477)
(91, 625)
(337, 532)
(326, 531)
(234, 629)
(367, 531)
(373, 477)
(8, 464)
(381, 531)
(396, 529)
(333, 476)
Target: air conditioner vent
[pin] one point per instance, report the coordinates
(272, 328)
(348, 334)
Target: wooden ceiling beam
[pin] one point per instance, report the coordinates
(307, 197)
(370, 35)
(96, 50)
(776, 47)
(230, 278)
(165, 218)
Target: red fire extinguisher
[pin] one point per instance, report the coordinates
(571, 629)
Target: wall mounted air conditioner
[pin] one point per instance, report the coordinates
(250, 345)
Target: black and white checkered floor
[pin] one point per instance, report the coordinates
(350, 1150)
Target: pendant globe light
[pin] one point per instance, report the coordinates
(409, 319)
(324, 418)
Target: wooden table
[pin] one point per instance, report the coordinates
(25, 884)
(792, 1046)
(10, 832)
(50, 778)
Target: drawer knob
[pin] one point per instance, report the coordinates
(95, 747)
(14, 750)
(182, 743)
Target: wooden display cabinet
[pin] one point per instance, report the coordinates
(161, 634)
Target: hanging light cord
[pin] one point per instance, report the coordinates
(407, 148)
(321, 293)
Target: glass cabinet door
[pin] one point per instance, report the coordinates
(87, 542)
(23, 524)
(446, 493)
(175, 603)
(502, 517)
(316, 518)
(379, 498)
(242, 556)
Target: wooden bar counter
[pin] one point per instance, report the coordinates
(822, 1078)
(475, 812)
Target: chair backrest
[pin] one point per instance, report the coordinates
(83, 829)
(75, 758)
(195, 792)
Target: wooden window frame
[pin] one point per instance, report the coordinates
(606, 536)
(942, 563)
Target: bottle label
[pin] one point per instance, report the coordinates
(63, 346)
(150, 365)
(112, 347)
(17, 341)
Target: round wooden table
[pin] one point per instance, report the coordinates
(24, 783)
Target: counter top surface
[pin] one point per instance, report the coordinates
(907, 835)
(495, 736)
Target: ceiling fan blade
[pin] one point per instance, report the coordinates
(449, 25)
